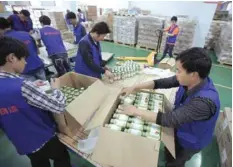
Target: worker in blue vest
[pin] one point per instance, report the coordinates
(89, 58)
(69, 25)
(196, 106)
(172, 33)
(25, 110)
(78, 29)
(34, 69)
(55, 47)
(81, 16)
(21, 21)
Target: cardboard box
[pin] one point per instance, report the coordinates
(114, 148)
(2, 8)
(167, 63)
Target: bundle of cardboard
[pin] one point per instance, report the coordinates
(186, 34)
(125, 29)
(91, 13)
(148, 31)
(223, 131)
(57, 20)
(223, 47)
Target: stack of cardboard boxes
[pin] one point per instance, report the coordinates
(223, 133)
(91, 13)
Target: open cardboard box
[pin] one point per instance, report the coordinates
(113, 148)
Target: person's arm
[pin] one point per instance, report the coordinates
(175, 32)
(87, 56)
(166, 83)
(55, 102)
(197, 109)
(167, 29)
(83, 31)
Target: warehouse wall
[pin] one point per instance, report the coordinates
(203, 12)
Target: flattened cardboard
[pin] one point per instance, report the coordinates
(121, 149)
(167, 63)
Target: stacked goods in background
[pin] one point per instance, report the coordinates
(57, 20)
(148, 33)
(213, 34)
(125, 29)
(108, 18)
(68, 36)
(185, 37)
(223, 47)
(223, 133)
(91, 13)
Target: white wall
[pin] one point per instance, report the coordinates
(203, 12)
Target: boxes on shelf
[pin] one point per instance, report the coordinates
(93, 118)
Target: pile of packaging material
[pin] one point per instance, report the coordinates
(213, 34)
(125, 29)
(223, 47)
(108, 18)
(223, 131)
(185, 37)
(148, 31)
(57, 19)
(68, 36)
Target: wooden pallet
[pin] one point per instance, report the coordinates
(121, 43)
(127, 15)
(108, 40)
(225, 63)
(145, 47)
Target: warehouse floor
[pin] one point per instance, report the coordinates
(209, 157)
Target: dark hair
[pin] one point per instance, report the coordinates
(79, 10)
(71, 15)
(25, 13)
(174, 18)
(15, 12)
(45, 20)
(195, 60)
(9, 45)
(101, 28)
(4, 23)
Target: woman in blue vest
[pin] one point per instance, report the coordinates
(34, 69)
(21, 21)
(25, 110)
(55, 47)
(78, 29)
(196, 104)
(89, 58)
(172, 33)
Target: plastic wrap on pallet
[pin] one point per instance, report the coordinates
(223, 47)
(213, 34)
(148, 31)
(185, 37)
(125, 29)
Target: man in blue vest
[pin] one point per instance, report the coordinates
(81, 16)
(89, 58)
(78, 29)
(53, 42)
(21, 21)
(25, 110)
(34, 69)
(196, 108)
(172, 33)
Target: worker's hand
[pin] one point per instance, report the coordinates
(39, 83)
(55, 83)
(109, 75)
(128, 90)
(128, 110)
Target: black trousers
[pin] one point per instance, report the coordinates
(182, 155)
(168, 49)
(53, 150)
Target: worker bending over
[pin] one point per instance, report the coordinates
(53, 42)
(196, 108)
(21, 21)
(25, 110)
(89, 58)
(172, 33)
(78, 29)
(34, 69)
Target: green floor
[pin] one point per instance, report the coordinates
(209, 157)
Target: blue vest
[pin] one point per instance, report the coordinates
(52, 40)
(33, 60)
(198, 134)
(78, 33)
(81, 67)
(27, 127)
(172, 39)
(19, 25)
